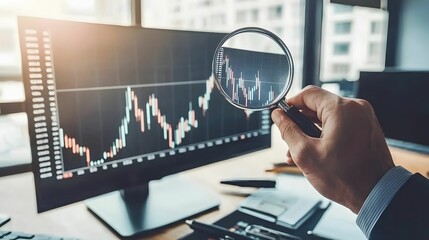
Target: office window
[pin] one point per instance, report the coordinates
(340, 8)
(100, 11)
(353, 35)
(237, 14)
(254, 13)
(244, 16)
(342, 27)
(278, 30)
(275, 12)
(241, 16)
(341, 48)
(376, 27)
(340, 68)
(218, 19)
(375, 51)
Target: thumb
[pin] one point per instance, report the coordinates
(290, 132)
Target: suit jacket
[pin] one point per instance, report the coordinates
(407, 215)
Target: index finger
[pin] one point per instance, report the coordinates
(314, 99)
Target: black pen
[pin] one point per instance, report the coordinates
(215, 230)
(258, 183)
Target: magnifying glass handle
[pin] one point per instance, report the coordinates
(302, 121)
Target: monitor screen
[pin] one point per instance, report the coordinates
(111, 107)
(401, 103)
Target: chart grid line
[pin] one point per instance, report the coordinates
(132, 86)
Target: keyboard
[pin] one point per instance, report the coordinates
(13, 235)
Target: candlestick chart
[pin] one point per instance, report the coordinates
(154, 115)
(125, 97)
(130, 121)
(251, 79)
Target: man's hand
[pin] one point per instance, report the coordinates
(350, 157)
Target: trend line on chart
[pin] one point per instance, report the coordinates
(173, 134)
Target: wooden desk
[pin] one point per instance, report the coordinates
(17, 197)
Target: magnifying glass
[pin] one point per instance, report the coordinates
(253, 70)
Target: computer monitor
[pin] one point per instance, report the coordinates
(114, 107)
(401, 103)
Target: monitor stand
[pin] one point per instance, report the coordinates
(144, 209)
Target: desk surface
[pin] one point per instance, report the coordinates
(17, 196)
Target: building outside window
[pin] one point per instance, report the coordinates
(353, 39)
(340, 68)
(275, 12)
(374, 52)
(340, 8)
(341, 48)
(254, 13)
(247, 16)
(343, 27)
(219, 18)
(376, 27)
(283, 17)
(241, 16)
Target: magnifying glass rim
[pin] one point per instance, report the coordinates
(279, 42)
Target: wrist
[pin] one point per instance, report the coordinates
(364, 187)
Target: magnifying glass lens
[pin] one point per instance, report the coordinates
(252, 70)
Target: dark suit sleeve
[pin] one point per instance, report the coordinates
(407, 215)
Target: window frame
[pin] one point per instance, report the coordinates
(313, 36)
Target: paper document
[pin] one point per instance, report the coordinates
(338, 223)
(282, 207)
